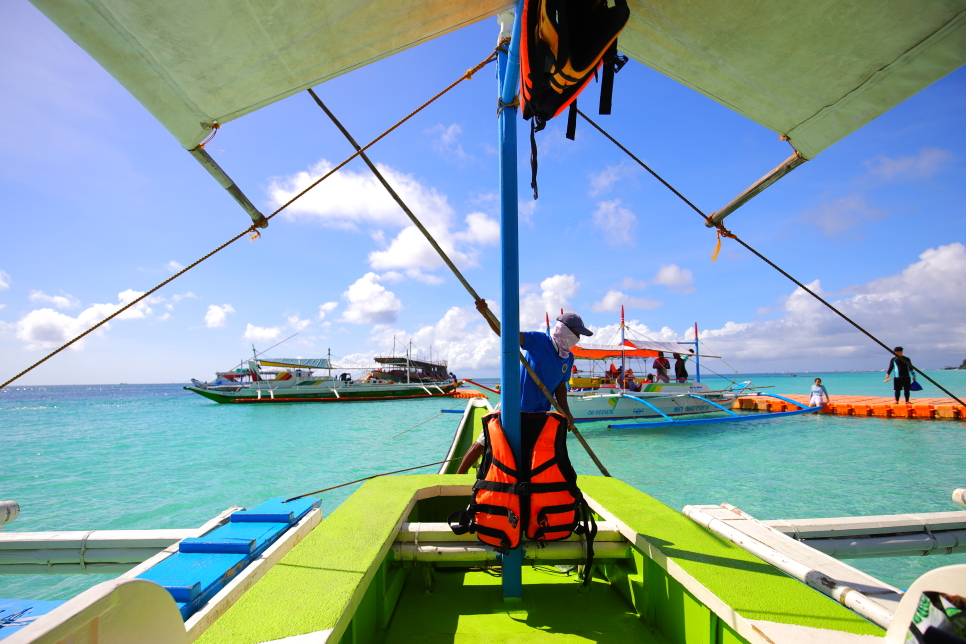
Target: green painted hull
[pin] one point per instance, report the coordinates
(682, 584)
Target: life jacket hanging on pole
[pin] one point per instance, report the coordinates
(563, 44)
(539, 500)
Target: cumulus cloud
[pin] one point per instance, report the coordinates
(173, 266)
(613, 301)
(325, 309)
(615, 222)
(446, 141)
(350, 199)
(370, 303)
(357, 201)
(62, 301)
(555, 293)
(4, 281)
(47, 329)
(297, 323)
(675, 278)
(217, 315)
(841, 215)
(603, 181)
(921, 308)
(261, 333)
(928, 162)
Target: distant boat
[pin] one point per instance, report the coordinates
(295, 380)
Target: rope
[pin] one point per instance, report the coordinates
(253, 229)
(426, 421)
(480, 303)
(723, 232)
(500, 105)
(418, 467)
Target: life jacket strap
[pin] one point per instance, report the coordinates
(497, 510)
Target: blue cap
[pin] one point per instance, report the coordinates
(574, 323)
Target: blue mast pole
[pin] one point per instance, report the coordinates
(508, 77)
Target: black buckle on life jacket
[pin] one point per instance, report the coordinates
(520, 488)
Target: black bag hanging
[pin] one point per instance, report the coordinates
(564, 43)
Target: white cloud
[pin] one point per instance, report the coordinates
(370, 303)
(921, 308)
(298, 323)
(604, 180)
(629, 283)
(173, 266)
(350, 199)
(261, 333)
(480, 229)
(555, 294)
(928, 162)
(447, 141)
(63, 301)
(675, 278)
(4, 281)
(217, 315)
(325, 309)
(613, 301)
(357, 201)
(616, 222)
(48, 329)
(840, 215)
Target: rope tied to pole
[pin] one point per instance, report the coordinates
(500, 105)
(252, 230)
(722, 231)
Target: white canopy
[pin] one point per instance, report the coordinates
(305, 363)
(814, 71)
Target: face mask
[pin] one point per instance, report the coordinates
(564, 339)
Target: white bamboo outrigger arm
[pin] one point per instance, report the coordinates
(9, 510)
(845, 595)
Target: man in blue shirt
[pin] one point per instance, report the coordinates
(551, 360)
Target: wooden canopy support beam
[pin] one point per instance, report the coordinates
(226, 182)
(786, 166)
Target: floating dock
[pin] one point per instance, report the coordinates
(871, 406)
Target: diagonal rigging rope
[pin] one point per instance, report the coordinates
(723, 232)
(481, 304)
(253, 229)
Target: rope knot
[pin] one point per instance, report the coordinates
(500, 105)
(720, 231)
(253, 233)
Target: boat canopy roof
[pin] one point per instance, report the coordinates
(304, 363)
(632, 349)
(412, 363)
(812, 71)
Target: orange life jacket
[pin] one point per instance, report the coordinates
(540, 500)
(563, 43)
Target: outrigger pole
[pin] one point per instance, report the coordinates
(508, 79)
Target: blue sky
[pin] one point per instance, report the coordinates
(100, 202)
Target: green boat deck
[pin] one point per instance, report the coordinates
(683, 584)
(468, 607)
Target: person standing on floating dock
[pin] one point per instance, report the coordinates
(552, 361)
(900, 371)
(818, 392)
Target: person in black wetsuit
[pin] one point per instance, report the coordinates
(900, 372)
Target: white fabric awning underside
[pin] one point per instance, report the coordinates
(814, 71)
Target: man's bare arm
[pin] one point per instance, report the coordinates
(471, 456)
(560, 393)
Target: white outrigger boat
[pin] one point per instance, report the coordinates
(295, 380)
(610, 396)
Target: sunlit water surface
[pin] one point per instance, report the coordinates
(155, 456)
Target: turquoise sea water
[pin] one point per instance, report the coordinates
(156, 456)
